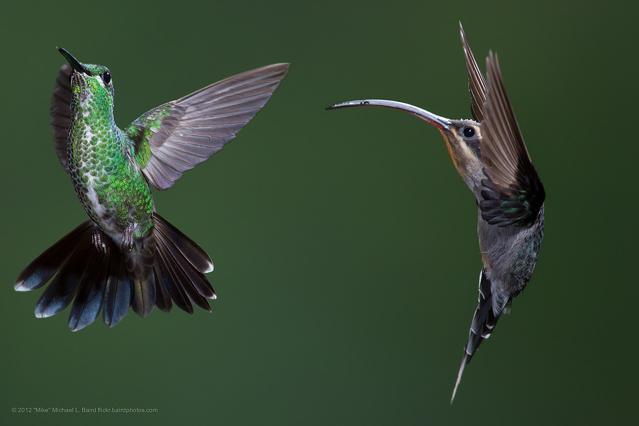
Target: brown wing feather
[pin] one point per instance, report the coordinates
(476, 82)
(503, 146)
(61, 113)
(513, 193)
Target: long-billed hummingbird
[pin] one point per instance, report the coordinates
(127, 254)
(490, 155)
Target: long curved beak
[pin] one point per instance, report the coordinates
(439, 122)
(75, 64)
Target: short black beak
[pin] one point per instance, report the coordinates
(439, 122)
(75, 64)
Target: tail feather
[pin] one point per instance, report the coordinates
(189, 249)
(460, 373)
(64, 285)
(162, 296)
(484, 319)
(40, 271)
(143, 298)
(181, 278)
(117, 294)
(169, 282)
(140, 263)
(163, 269)
(88, 300)
(194, 276)
(482, 325)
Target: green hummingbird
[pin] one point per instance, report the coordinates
(126, 254)
(490, 155)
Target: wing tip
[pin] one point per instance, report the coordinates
(464, 40)
(462, 33)
(492, 60)
(284, 65)
(281, 68)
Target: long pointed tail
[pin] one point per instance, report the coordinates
(484, 321)
(460, 373)
(85, 267)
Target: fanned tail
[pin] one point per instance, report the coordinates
(180, 265)
(484, 321)
(165, 267)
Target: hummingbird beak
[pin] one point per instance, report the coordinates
(75, 64)
(441, 123)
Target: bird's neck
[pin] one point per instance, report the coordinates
(467, 164)
(92, 108)
(93, 129)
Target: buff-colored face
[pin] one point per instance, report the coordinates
(463, 141)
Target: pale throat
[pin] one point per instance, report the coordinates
(466, 162)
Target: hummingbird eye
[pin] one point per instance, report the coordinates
(106, 77)
(468, 131)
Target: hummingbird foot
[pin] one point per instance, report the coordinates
(127, 238)
(98, 241)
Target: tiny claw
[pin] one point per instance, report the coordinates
(127, 238)
(98, 242)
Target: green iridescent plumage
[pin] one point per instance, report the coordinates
(111, 187)
(142, 129)
(128, 255)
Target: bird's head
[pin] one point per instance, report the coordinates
(91, 85)
(462, 137)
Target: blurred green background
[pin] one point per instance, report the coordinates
(344, 242)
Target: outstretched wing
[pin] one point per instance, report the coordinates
(476, 82)
(513, 193)
(180, 134)
(61, 113)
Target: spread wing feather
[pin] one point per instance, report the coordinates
(178, 135)
(476, 82)
(512, 194)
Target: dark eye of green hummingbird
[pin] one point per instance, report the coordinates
(469, 132)
(106, 77)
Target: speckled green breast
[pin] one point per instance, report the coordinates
(107, 180)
